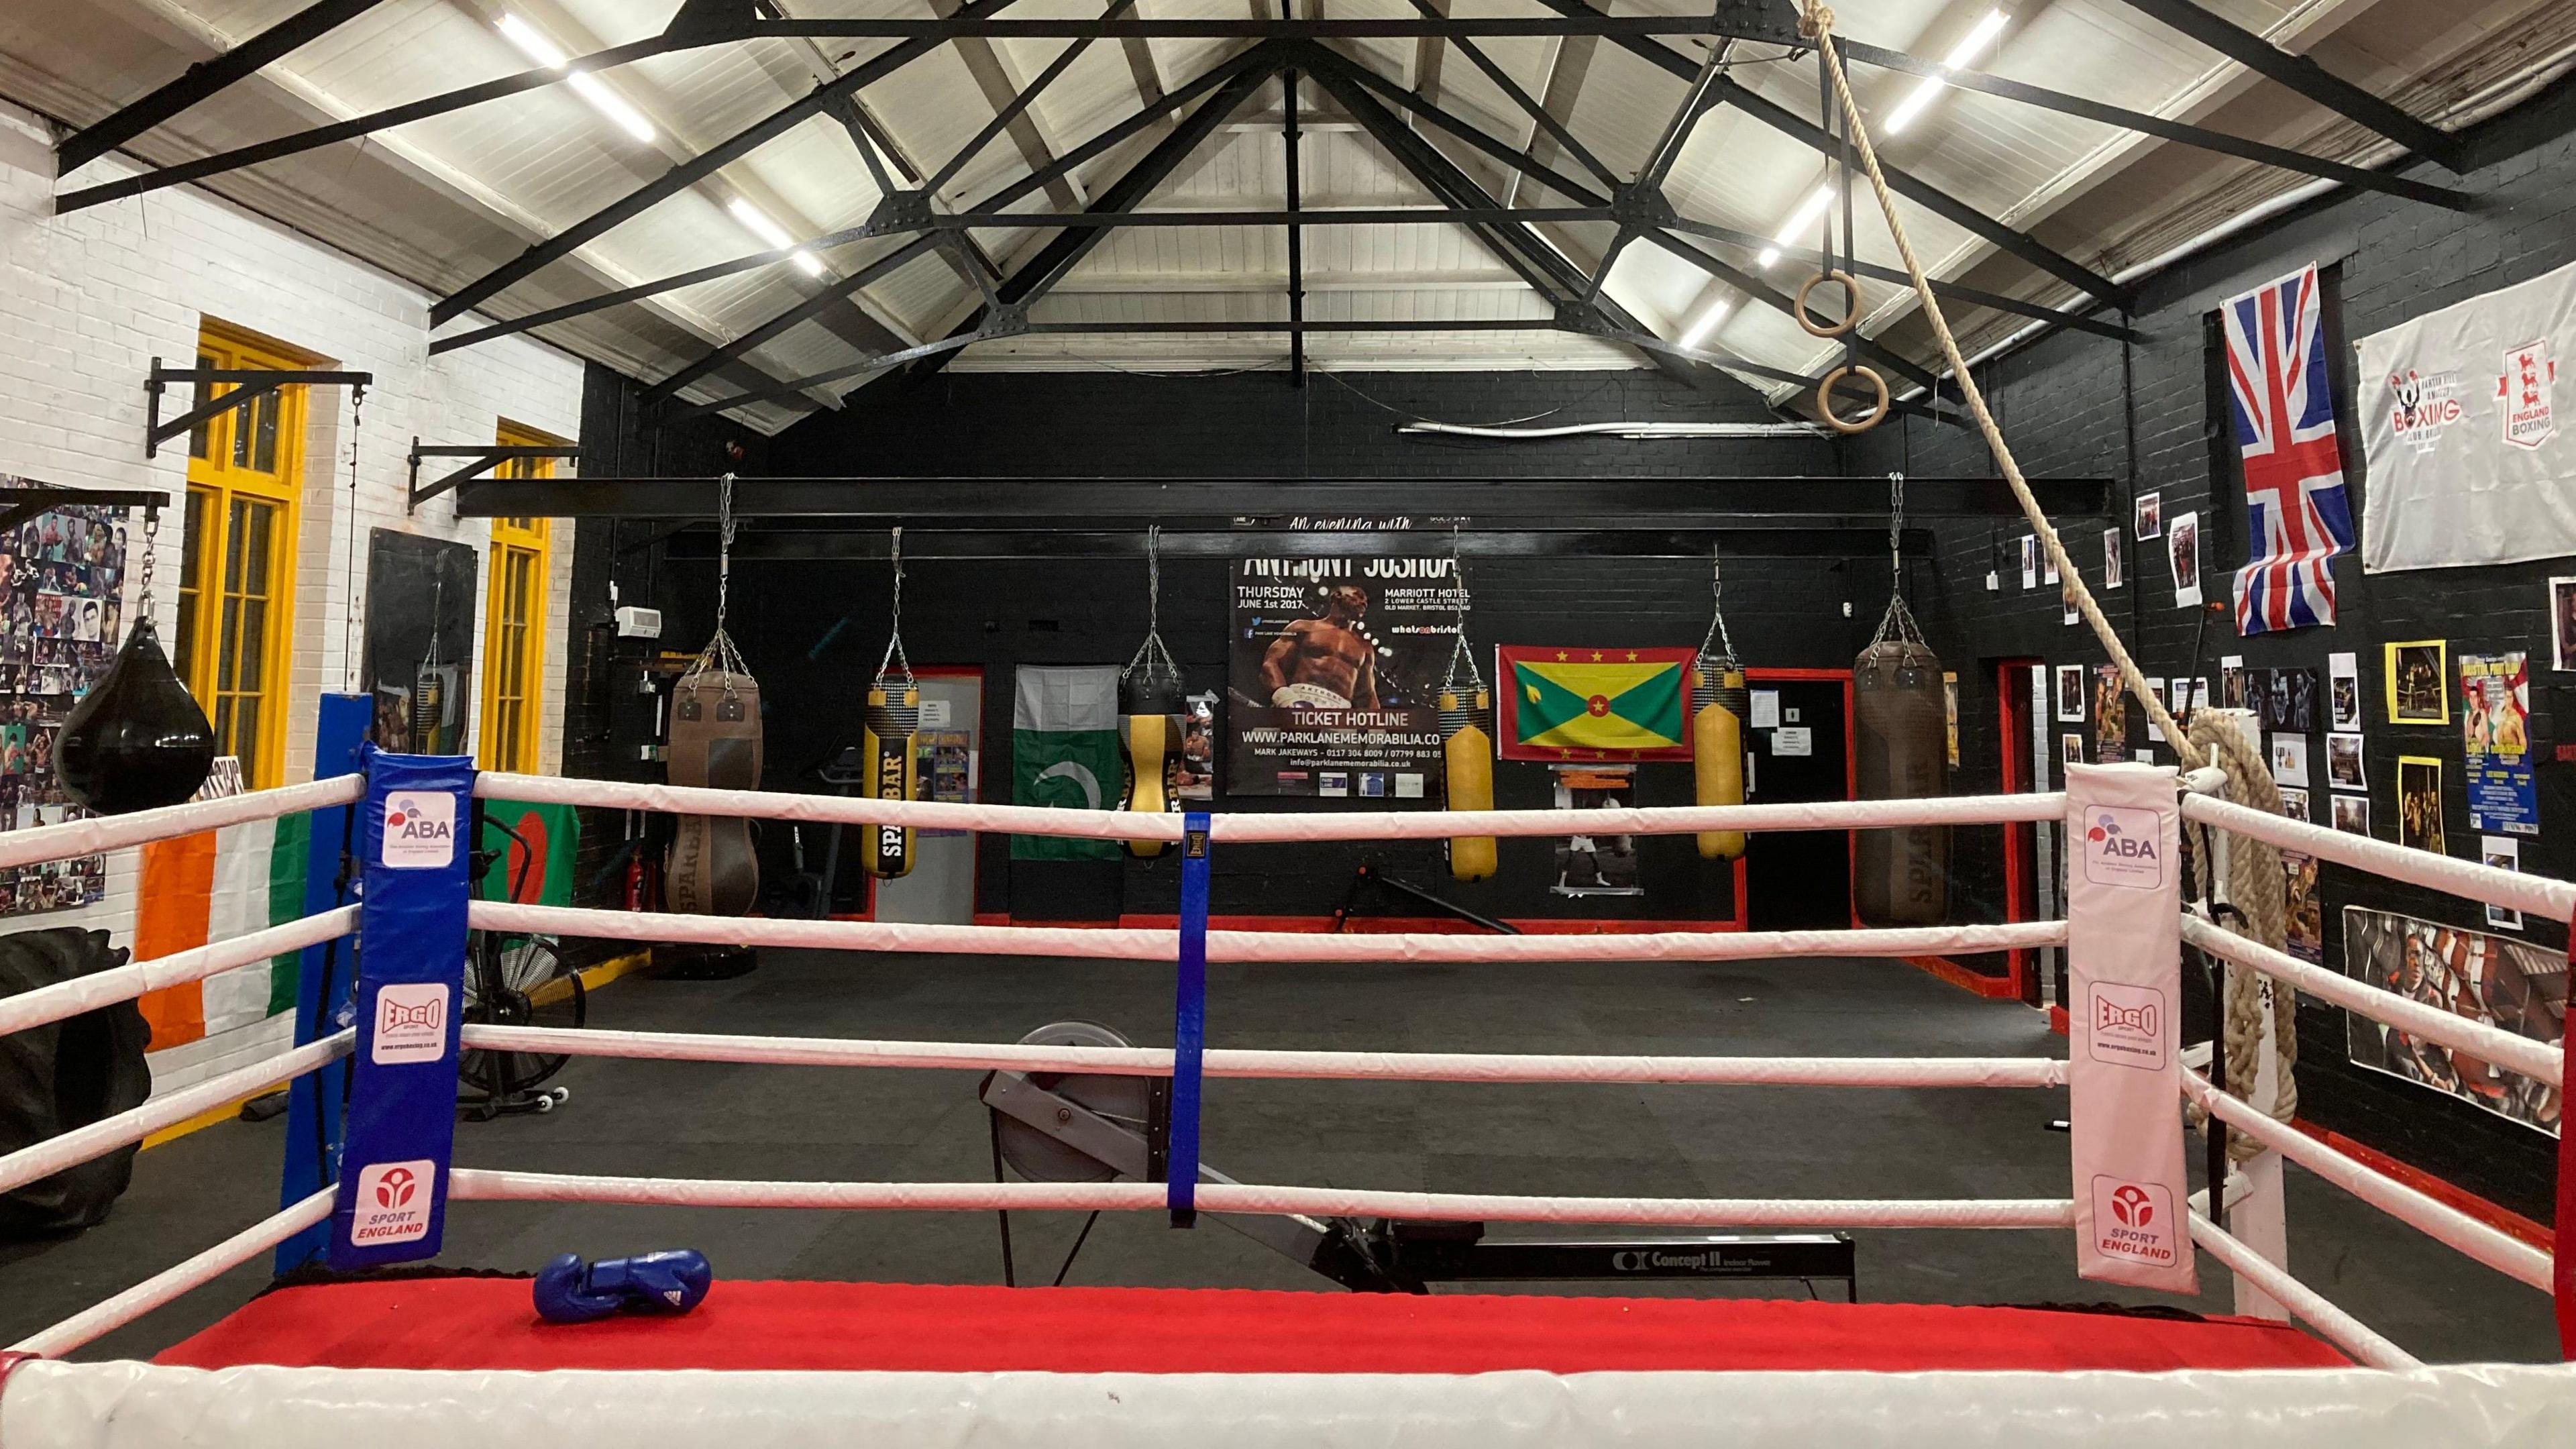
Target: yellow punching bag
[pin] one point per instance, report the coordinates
(894, 772)
(1149, 735)
(1467, 758)
(1718, 705)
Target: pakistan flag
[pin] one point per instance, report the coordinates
(1064, 752)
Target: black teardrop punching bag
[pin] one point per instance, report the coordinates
(137, 740)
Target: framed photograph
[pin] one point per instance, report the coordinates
(2294, 803)
(2110, 715)
(2111, 552)
(2304, 918)
(2182, 552)
(2419, 804)
(2512, 985)
(2070, 749)
(2343, 762)
(2352, 813)
(2070, 694)
(2047, 564)
(2503, 852)
(2231, 681)
(2151, 516)
(2418, 682)
(2030, 561)
(2562, 625)
(2343, 691)
(2289, 759)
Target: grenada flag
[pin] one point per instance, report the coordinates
(1593, 703)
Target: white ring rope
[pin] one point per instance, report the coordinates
(472, 1184)
(1480, 1067)
(43, 1160)
(1240, 946)
(2540, 895)
(124, 983)
(2509, 1050)
(2346, 1332)
(114, 832)
(1266, 827)
(172, 1283)
(2439, 1221)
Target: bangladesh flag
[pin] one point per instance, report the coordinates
(1064, 752)
(1593, 704)
(541, 874)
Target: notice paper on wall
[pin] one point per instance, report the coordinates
(1793, 740)
(1766, 709)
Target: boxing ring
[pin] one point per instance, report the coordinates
(942, 1366)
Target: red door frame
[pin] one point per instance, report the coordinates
(1851, 773)
(2020, 840)
(975, 857)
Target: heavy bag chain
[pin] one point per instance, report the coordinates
(1898, 623)
(349, 558)
(1150, 657)
(895, 658)
(1460, 650)
(1717, 633)
(151, 546)
(720, 656)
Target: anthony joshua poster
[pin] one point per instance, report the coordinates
(1335, 674)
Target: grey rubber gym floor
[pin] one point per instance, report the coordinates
(689, 1120)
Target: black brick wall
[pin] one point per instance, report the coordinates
(2146, 413)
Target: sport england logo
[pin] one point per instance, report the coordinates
(420, 830)
(393, 1203)
(2525, 395)
(2133, 1221)
(2126, 1027)
(2124, 847)
(411, 1023)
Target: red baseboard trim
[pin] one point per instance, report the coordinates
(1993, 988)
(2503, 1219)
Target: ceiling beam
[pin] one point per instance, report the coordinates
(2306, 77)
(204, 79)
(680, 177)
(2202, 137)
(818, 305)
(983, 60)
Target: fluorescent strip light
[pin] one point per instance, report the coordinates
(589, 87)
(758, 223)
(1805, 219)
(1707, 322)
(1967, 50)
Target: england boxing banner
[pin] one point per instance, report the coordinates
(1335, 674)
(2124, 984)
(2460, 429)
(2297, 512)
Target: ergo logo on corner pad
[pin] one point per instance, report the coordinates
(2123, 847)
(420, 829)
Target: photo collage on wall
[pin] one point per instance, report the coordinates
(62, 577)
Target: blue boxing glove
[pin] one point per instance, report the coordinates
(568, 1290)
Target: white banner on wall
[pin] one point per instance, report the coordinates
(2470, 461)
(2124, 977)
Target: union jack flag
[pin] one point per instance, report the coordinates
(2295, 500)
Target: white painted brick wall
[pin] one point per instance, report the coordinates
(88, 300)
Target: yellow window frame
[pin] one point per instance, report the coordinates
(519, 569)
(245, 476)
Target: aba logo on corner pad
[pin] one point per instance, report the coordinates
(2124, 847)
(420, 829)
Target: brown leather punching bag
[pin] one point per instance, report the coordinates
(1901, 726)
(715, 743)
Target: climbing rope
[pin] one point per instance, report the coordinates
(1151, 656)
(2254, 874)
(2258, 897)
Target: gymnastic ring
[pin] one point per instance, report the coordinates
(1851, 314)
(1825, 399)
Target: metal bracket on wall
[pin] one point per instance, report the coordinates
(483, 458)
(249, 385)
(17, 505)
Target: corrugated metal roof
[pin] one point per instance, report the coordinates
(544, 160)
